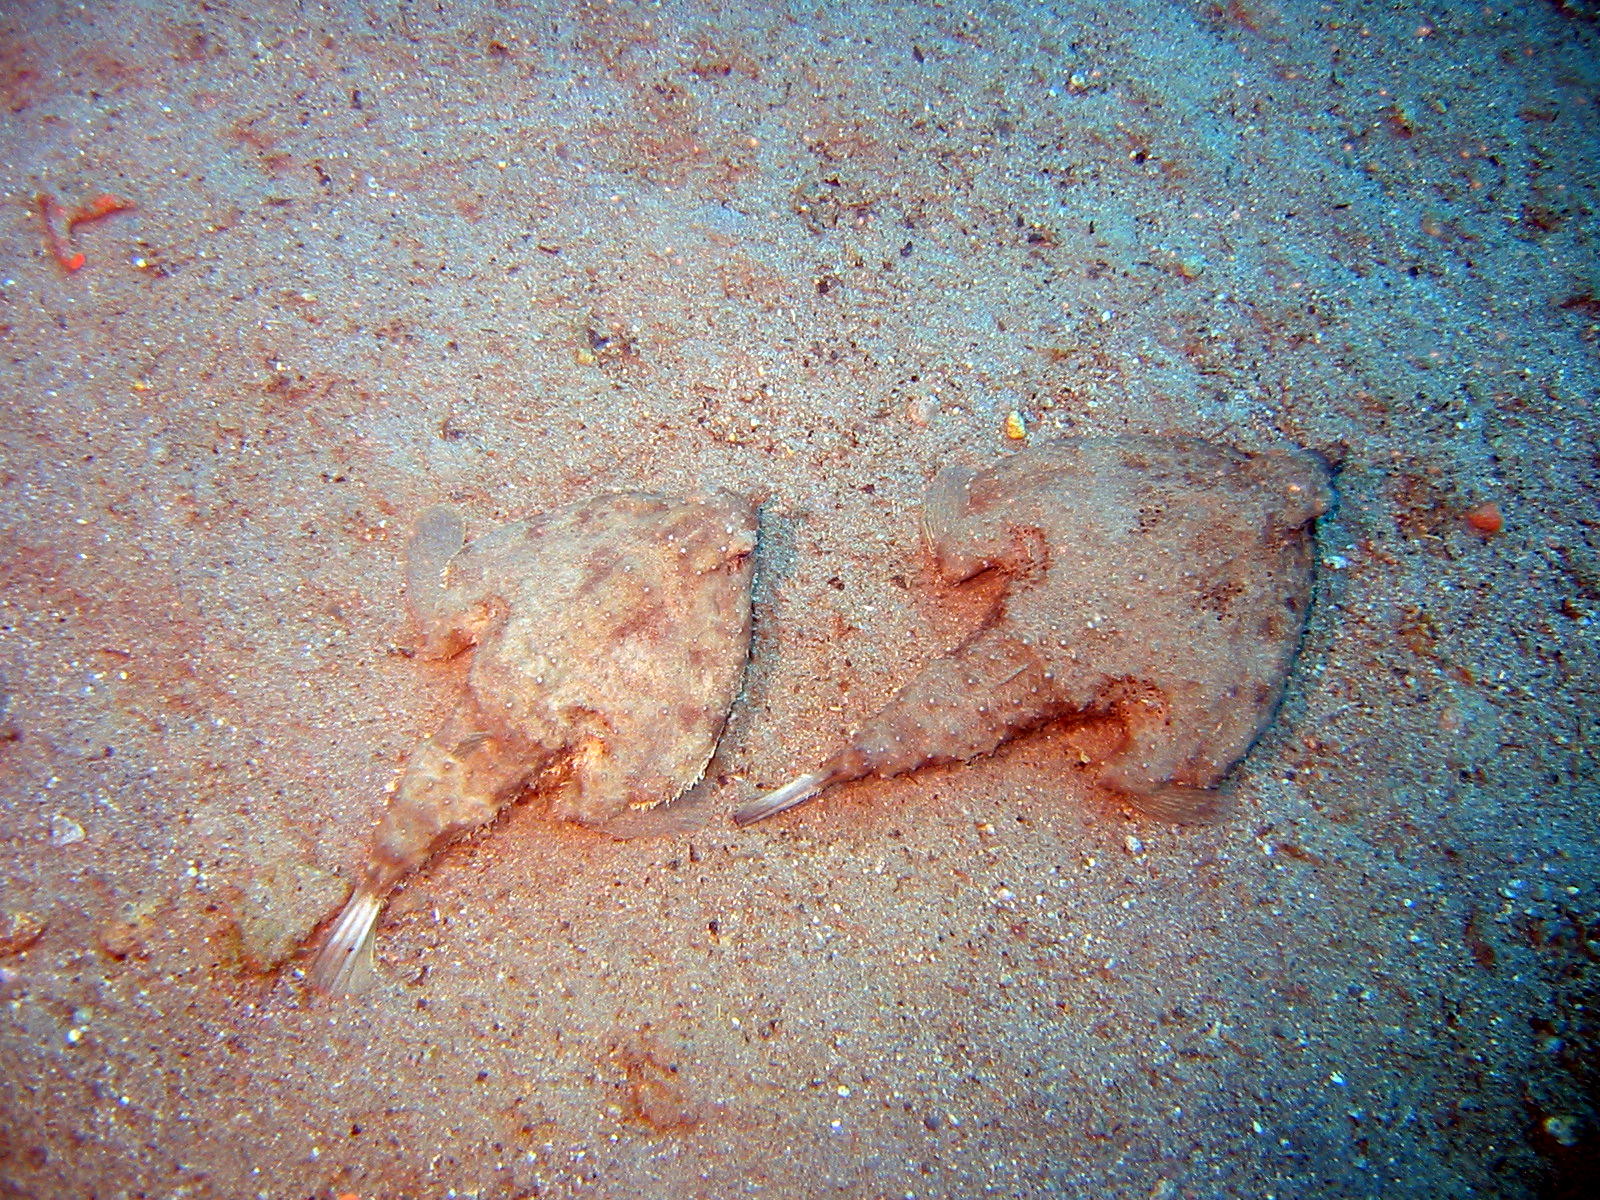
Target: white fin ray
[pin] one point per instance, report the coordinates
(344, 964)
(796, 791)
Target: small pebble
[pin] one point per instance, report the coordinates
(19, 929)
(64, 831)
(1563, 1128)
(1485, 518)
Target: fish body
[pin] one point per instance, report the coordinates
(608, 640)
(1160, 582)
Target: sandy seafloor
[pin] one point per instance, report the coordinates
(390, 255)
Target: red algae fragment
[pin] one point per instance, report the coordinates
(59, 224)
(609, 638)
(94, 210)
(55, 241)
(1158, 583)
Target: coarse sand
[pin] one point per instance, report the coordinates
(389, 255)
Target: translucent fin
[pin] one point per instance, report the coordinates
(1173, 802)
(796, 791)
(344, 964)
(946, 506)
(436, 538)
(689, 814)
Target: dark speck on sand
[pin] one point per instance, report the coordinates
(382, 257)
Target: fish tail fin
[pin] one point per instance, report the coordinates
(344, 964)
(796, 791)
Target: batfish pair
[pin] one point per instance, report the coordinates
(1160, 583)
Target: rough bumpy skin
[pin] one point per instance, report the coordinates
(1160, 582)
(610, 638)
